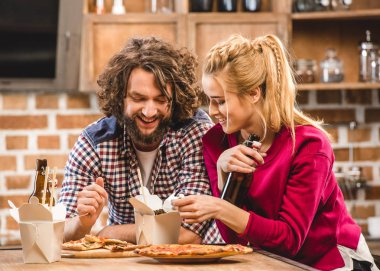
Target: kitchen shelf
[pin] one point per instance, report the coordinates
(337, 15)
(338, 86)
(312, 33)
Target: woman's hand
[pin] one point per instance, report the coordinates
(198, 208)
(238, 159)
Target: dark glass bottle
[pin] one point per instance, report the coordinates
(39, 180)
(227, 5)
(237, 184)
(201, 5)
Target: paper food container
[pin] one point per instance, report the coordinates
(41, 230)
(154, 229)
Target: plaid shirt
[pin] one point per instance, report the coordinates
(105, 149)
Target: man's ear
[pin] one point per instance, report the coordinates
(255, 95)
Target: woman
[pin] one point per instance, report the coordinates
(293, 207)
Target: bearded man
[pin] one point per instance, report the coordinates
(153, 124)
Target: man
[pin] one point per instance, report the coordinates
(153, 124)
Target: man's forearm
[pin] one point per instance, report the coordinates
(188, 237)
(126, 232)
(74, 230)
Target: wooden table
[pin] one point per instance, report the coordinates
(259, 260)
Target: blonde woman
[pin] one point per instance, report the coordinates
(293, 206)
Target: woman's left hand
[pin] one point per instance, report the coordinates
(198, 208)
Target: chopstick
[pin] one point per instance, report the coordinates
(141, 184)
(52, 192)
(45, 185)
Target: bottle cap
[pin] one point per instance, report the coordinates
(368, 44)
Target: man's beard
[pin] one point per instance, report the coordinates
(146, 140)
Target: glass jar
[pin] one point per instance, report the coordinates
(305, 70)
(322, 5)
(99, 7)
(118, 7)
(251, 5)
(304, 5)
(160, 6)
(339, 5)
(331, 68)
(378, 68)
(368, 51)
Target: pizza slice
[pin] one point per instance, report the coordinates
(93, 242)
(85, 243)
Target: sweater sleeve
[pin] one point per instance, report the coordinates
(286, 234)
(211, 156)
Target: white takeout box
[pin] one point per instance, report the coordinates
(154, 229)
(41, 230)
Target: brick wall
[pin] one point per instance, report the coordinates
(339, 108)
(34, 125)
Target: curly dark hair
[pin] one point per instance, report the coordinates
(169, 65)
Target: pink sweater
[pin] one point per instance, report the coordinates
(296, 207)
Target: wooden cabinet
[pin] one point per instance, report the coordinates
(104, 35)
(205, 30)
(308, 35)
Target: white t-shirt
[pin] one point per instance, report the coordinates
(146, 161)
(362, 253)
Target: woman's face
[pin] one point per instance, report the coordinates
(240, 111)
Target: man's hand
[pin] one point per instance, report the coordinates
(91, 201)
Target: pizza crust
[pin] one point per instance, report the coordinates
(192, 250)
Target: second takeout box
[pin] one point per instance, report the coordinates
(41, 230)
(154, 229)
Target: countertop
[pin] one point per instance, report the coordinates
(258, 260)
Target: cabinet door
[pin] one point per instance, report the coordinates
(105, 35)
(205, 30)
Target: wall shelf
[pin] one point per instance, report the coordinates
(338, 86)
(337, 15)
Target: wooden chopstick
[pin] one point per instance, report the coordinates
(141, 184)
(52, 196)
(45, 185)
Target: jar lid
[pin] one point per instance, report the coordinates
(305, 62)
